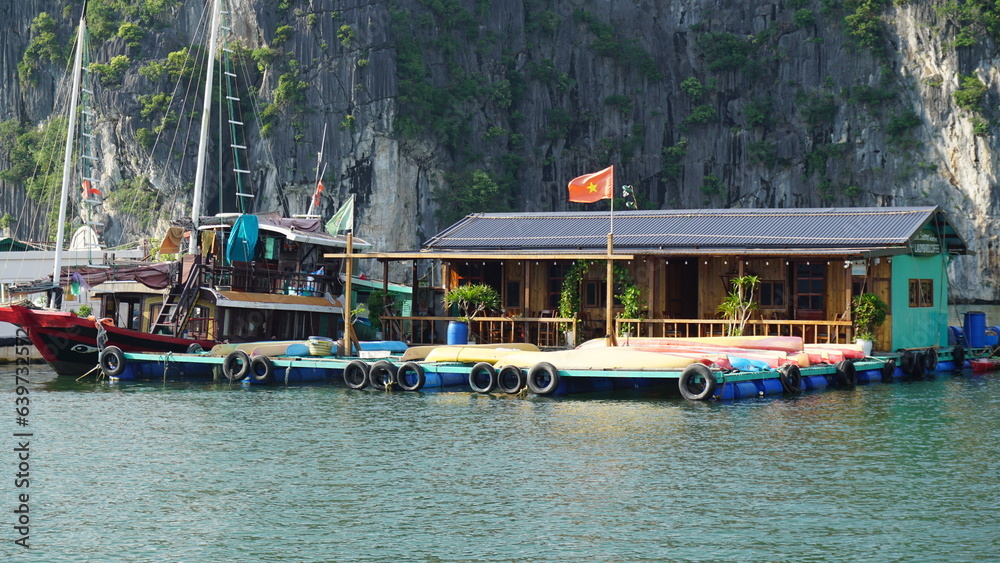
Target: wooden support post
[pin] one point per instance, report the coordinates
(609, 322)
(349, 337)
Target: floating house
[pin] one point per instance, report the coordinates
(810, 263)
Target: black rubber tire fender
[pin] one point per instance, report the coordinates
(791, 378)
(958, 357)
(930, 359)
(382, 375)
(236, 365)
(906, 361)
(888, 370)
(476, 375)
(847, 374)
(194, 348)
(112, 361)
(919, 366)
(404, 373)
(543, 378)
(356, 374)
(262, 369)
(511, 379)
(697, 382)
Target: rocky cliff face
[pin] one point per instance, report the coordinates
(438, 108)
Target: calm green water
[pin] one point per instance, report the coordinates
(179, 472)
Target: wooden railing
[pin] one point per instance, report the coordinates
(812, 332)
(546, 332)
(549, 332)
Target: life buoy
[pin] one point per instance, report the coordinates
(918, 367)
(930, 359)
(483, 377)
(888, 370)
(382, 375)
(791, 378)
(236, 365)
(261, 369)
(112, 361)
(356, 374)
(958, 357)
(543, 378)
(411, 377)
(511, 379)
(697, 382)
(194, 348)
(847, 374)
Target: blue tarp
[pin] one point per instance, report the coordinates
(242, 239)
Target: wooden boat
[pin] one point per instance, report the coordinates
(68, 343)
(474, 354)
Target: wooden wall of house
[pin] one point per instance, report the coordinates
(879, 282)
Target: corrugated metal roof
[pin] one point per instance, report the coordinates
(670, 231)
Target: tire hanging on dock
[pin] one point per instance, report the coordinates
(411, 376)
(958, 357)
(356, 374)
(236, 365)
(930, 359)
(888, 370)
(918, 366)
(847, 374)
(261, 369)
(906, 361)
(791, 378)
(483, 377)
(543, 378)
(697, 382)
(511, 380)
(112, 361)
(382, 375)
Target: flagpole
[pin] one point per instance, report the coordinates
(610, 295)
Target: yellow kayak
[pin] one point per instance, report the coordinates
(476, 352)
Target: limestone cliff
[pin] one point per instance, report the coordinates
(436, 108)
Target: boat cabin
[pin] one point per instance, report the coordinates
(257, 277)
(810, 264)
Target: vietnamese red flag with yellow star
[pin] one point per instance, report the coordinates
(593, 187)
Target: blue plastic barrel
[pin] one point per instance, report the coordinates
(992, 335)
(956, 336)
(458, 333)
(975, 329)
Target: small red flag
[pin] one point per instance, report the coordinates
(593, 187)
(319, 190)
(89, 191)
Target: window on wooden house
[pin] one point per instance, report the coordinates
(921, 293)
(772, 294)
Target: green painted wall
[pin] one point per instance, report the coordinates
(919, 327)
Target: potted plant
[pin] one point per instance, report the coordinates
(868, 312)
(739, 304)
(471, 300)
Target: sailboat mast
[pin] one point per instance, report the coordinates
(68, 159)
(199, 177)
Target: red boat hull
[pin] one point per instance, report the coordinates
(68, 343)
(985, 364)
